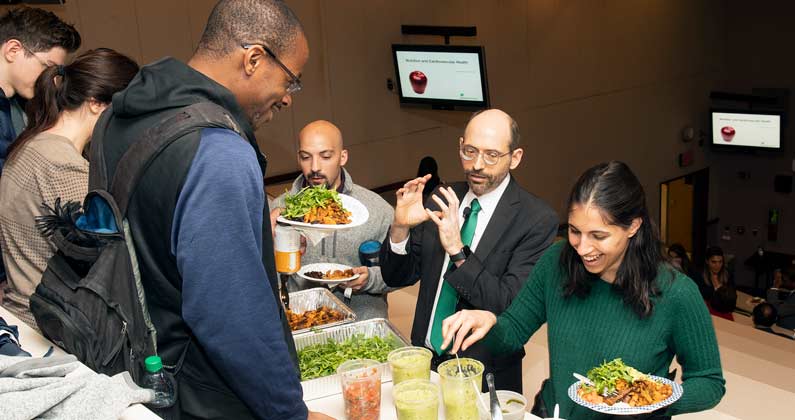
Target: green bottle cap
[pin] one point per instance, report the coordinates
(153, 364)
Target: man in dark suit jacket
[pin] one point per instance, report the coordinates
(484, 270)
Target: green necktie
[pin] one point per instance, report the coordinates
(448, 297)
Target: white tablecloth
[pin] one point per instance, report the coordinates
(334, 406)
(35, 344)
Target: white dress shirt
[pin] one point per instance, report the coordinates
(488, 204)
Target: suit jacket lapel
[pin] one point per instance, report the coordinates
(500, 220)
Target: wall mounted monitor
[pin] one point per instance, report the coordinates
(443, 76)
(746, 130)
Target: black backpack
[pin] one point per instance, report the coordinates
(91, 301)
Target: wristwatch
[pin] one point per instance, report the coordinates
(461, 255)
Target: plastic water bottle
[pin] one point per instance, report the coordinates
(162, 382)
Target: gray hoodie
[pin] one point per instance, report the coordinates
(343, 248)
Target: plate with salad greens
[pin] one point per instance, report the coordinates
(321, 208)
(622, 390)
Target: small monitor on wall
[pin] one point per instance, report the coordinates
(443, 76)
(746, 130)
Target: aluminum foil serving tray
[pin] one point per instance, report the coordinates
(330, 385)
(309, 299)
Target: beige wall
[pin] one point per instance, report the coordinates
(587, 81)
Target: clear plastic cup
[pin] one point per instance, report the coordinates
(410, 363)
(416, 399)
(462, 380)
(361, 388)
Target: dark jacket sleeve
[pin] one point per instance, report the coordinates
(226, 298)
(402, 270)
(482, 289)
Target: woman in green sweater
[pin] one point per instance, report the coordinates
(604, 294)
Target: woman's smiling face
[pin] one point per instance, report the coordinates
(600, 244)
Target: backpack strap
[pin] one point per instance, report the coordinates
(140, 155)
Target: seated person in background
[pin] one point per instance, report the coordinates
(680, 261)
(782, 297)
(715, 273)
(46, 162)
(322, 157)
(428, 166)
(765, 315)
(723, 302)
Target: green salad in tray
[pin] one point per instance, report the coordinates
(317, 205)
(320, 360)
(606, 376)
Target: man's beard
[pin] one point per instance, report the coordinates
(311, 181)
(483, 188)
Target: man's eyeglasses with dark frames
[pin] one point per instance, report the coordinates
(295, 82)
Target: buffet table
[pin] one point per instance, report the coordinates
(334, 406)
(35, 344)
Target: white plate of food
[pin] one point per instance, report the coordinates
(321, 208)
(327, 273)
(628, 391)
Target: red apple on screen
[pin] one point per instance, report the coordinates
(727, 133)
(418, 81)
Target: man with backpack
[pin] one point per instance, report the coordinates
(196, 216)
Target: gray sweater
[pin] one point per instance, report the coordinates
(343, 248)
(43, 388)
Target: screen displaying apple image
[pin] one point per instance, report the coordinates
(439, 75)
(754, 130)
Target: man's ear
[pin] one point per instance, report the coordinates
(343, 157)
(252, 58)
(516, 158)
(11, 50)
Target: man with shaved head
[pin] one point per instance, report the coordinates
(472, 243)
(322, 156)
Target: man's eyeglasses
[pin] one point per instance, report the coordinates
(490, 157)
(295, 83)
(44, 63)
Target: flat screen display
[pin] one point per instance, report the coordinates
(746, 130)
(441, 75)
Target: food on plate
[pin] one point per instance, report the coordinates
(313, 318)
(320, 360)
(316, 205)
(330, 274)
(615, 382)
(338, 274)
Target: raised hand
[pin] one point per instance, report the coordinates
(447, 221)
(409, 209)
(466, 328)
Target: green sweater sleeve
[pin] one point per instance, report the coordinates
(697, 352)
(527, 312)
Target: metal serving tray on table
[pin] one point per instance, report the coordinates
(330, 385)
(310, 299)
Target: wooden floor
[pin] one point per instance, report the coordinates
(759, 367)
